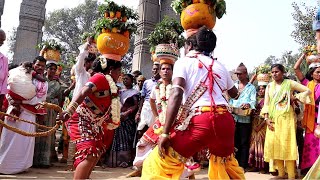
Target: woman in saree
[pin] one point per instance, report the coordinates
(256, 160)
(314, 172)
(280, 144)
(122, 149)
(311, 147)
(93, 115)
(44, 150)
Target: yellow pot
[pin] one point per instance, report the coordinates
(52, 55)
(195, 16)
(113, 44)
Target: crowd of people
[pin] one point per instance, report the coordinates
(188, 115)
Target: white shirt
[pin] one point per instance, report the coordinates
(82, 76)
(188, 69)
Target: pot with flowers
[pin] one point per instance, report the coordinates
(196, 13)
(51, 50)
(263, 72)
(114, 28)
(311, 54)
(166, 40)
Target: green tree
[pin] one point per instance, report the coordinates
(303, 16)
(68, 25)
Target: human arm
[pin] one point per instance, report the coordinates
(152, 101)
(252, 98)
(297, 69)
(65, 115)
(153, 107)
(174, 103)
(143, 94)
(254, 76)
(38, 77)
(79, 66)
(304, 95)
(132, 109)
(265, 110)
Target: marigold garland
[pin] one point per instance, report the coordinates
(115, 104)
(162, 96)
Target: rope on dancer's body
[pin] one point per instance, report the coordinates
(35, 134)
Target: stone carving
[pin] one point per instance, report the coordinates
(150, 13)
(29, 31)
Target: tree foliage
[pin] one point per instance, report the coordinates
(68, 25)
(303, 16)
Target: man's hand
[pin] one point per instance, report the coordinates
(245, 106)
(163, 145)
(14, 102)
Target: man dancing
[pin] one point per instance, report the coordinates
(200, 80)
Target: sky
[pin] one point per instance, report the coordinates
(251, 30)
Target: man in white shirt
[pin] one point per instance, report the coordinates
(198, 83)
(82, 67)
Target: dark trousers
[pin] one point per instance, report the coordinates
(242, 143)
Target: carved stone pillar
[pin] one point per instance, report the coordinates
(1, 9)
(29, 31)
(166, 10)
(149, 15)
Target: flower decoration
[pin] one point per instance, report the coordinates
(116, 19)
(168, 31)
(162, 96)
(115, 104)
(51, 45)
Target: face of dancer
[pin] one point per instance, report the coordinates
(52, 71)
(115, 73)
(277, 74)
(166, 72)
(127, 81)
(261, 91)
(155, 70)
(39, 67)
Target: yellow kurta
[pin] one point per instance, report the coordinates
(281, 143)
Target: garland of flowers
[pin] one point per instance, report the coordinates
(115, 104)
(162, 96)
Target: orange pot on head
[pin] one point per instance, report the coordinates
(113, 43)
(196, 15)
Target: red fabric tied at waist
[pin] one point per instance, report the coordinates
(31, 108)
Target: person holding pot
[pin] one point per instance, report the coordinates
(314, 172)
(93, 115)
(245, 101)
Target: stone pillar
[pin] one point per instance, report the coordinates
(1, 9)
(149, 15)
(29, 31)
(166, 10)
